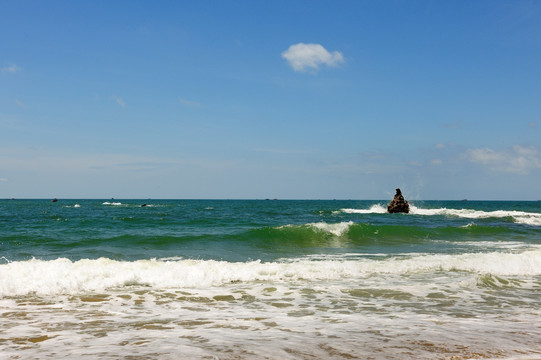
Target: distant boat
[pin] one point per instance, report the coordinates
(54, 200)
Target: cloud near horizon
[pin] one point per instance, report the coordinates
(302, 57)
(517, 159)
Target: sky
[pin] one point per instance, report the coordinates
(270, 99)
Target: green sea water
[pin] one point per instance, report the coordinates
(242, 230)
(251, 279)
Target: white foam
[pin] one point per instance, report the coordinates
(489, 244)
(64, 276)
(337, 229)
(476, 214)
(112, 203)
(529, 219)
(74, 206)
(521, 217)
(325, 313)
(374, 209)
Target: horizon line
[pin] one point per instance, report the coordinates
(246, 199)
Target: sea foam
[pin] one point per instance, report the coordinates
(374, 209)
(337, 229)
(62, 276)
(520, 217)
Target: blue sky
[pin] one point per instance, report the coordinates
(270, 99)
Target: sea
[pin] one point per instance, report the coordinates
(269, 279)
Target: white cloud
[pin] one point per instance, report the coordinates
(10, 69)
(3, 180)
(19, 103)
(118, 100)
(302, 57)
(189, 103)
(436, 162)
(518, 159)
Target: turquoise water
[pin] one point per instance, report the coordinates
(270, 279)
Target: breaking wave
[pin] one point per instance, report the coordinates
(520, 217)
(63, 276)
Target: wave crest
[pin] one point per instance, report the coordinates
(337, 229)
(520, 217)
(62, 276)
(374, 209)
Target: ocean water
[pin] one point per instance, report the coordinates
(224, 279)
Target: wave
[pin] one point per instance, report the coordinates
(374, 209)
(112, 203)
(317, 234)
(63, 276)
(337, 229)
(520, 217)
(72, 206)
(366, 233)
(130, 205)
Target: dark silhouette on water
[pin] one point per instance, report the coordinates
(398, 204)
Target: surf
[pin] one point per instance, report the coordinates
(519, 217)
(64, 276)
